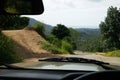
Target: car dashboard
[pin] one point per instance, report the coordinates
(35, 74)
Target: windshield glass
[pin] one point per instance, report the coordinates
(87, 29)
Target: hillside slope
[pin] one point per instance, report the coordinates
(26, 43)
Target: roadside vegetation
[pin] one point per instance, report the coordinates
(57, 42)
(64, 48)
(39, 28)
(110, 30)
(7, 52)
(109, 40)
(115, 53)
(60, 34)
(91, 45)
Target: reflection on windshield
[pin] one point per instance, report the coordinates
(19, 6)
(67, 66)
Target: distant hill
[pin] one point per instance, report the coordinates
(32, 21)
(87, 33)
(48, 28)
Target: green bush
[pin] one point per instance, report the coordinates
(54, 41)
(7, 54)
(115, 53)
(39, 28)
(67, 46)
(91, 45)
(53, 49)
(57, 46)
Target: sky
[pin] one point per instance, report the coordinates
(75, 13)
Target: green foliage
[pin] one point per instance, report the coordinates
(66, 46)
(87, 33)
(13, 22)
(7, 54)
(74, 38)
(115, 53)
(39, 27)
(60, 31)
(110, 29)
(91, 45)
(53, 49)
(54, 41)
(57, 46)
(60, 43)
(90, 41)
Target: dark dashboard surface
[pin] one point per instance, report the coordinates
(32, 74)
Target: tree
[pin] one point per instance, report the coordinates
(60, 31)
(13, 22)
(73, 39)
(110, 29)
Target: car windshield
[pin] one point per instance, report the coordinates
(82, 34)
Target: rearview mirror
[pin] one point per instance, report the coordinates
(21, 7)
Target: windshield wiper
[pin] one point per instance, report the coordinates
(75, 60)
(8, 66)
(66, 59)
(78, 60)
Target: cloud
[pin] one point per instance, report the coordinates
(67, 3)
(58, 4)
(96, 0)
(76, 12)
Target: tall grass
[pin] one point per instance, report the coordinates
(64, 48)
(7, 53)
(115, 53)
(67, 46)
